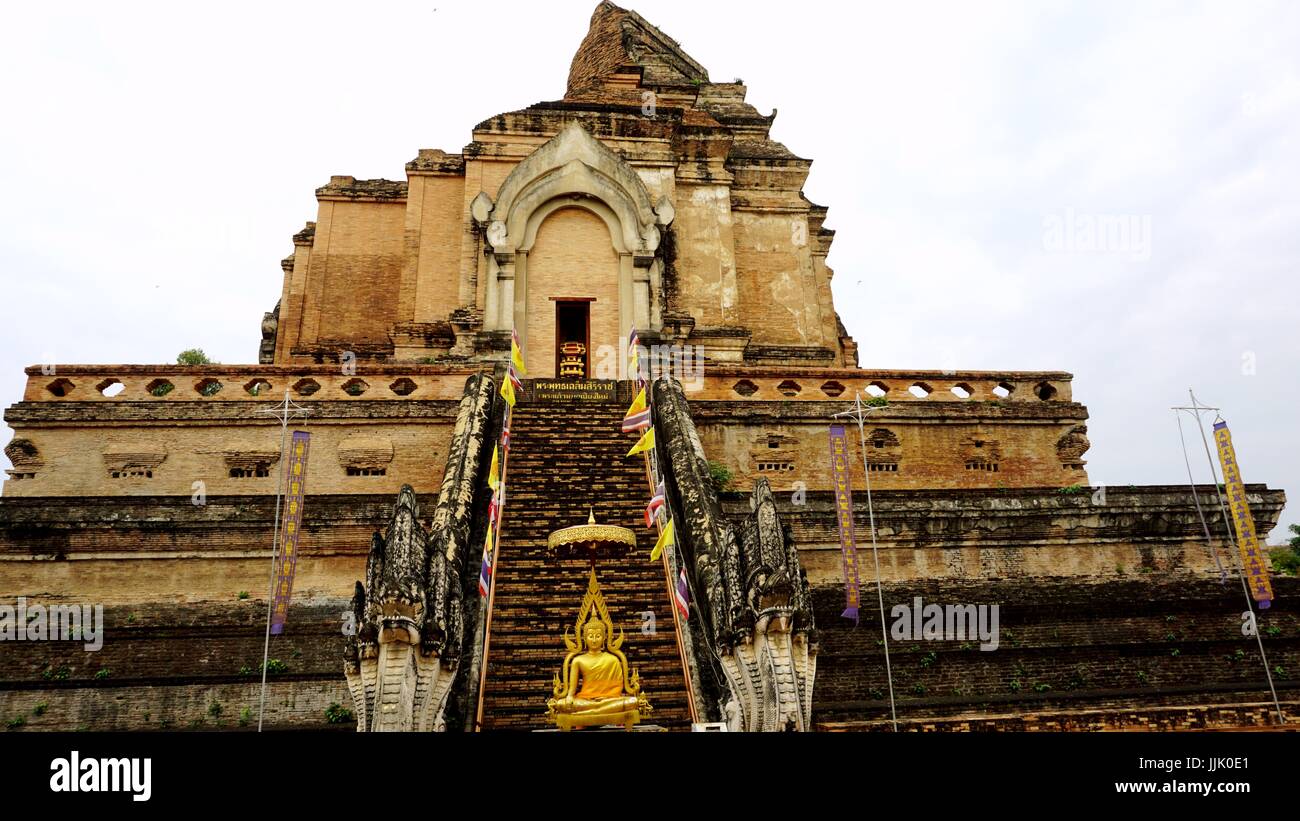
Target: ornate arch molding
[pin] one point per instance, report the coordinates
(612, 220)
(573, 169)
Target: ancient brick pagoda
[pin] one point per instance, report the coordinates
(648, 198)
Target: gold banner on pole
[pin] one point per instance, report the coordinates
(1252, 558)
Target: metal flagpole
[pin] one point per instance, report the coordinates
(859, 414)
(283, 412)
(500, 492)
(1196, 409)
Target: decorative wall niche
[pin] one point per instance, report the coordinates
(365, 455)
(26, 458)
(981, 453)
(250, 464)
(884, 451)
(1071, 447)
(133, 461)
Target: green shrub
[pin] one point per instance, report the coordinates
(338, 714)
(273, 667)
(193, 356)
(40, 709)
(720, 476)
(102, 673)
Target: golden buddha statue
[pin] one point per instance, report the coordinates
(597, 685)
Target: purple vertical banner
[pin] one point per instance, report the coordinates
(290, 529)
(844, 514)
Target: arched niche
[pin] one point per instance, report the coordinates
(573, 169)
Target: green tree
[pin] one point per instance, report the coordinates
(193, 356)
(1286, 560)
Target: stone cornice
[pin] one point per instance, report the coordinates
(747, 412)
(436, 162)
(1017, 517)
(350, 189)
(85, 414)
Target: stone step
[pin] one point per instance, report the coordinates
(564, 460)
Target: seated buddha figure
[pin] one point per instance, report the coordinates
(595, 691)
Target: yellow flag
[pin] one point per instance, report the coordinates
(646, 442)
(638, 404)
(508, 391)
(665, 538)
(517, 357)
(495, 472)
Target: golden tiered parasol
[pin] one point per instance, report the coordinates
(590, 538)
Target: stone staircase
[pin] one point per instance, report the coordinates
(564, 457)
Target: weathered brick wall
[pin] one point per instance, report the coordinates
(167, 665)
(1010, 533)
(1130, 719)
(355, 271)
(777, 283)
(1065, 646)
(169, 446)
(705, 284)
(931, 446)
(435, 230)
(165, 549)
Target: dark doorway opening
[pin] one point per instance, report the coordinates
(572, 339)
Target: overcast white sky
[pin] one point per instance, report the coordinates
(157, 159)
